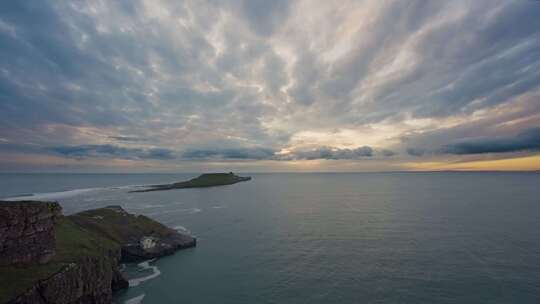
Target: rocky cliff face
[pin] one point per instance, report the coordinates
(26, 232)
(49, 258)
(46, 258)
(89, 281)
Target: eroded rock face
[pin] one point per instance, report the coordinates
(90, 246)
(26, 231)
(89, 281)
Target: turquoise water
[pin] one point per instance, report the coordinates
(329, 238)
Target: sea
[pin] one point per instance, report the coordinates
(424, 237)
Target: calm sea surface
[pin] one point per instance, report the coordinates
(327, 238)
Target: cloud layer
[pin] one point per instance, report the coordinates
(528, 140)
(87, 151)
(180, 81)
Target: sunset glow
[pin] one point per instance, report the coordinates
(269, 86)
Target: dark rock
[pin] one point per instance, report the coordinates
(26, 230)
(140, 237)
(91, 280)
(89, 247)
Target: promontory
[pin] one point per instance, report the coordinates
(204, 180)
(46, 257)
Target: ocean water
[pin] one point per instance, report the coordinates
(327, 238)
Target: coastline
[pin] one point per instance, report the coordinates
(42, 250)
(202, 181)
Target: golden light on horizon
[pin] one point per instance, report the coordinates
(523, 163)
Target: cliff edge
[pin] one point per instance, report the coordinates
(46, 257)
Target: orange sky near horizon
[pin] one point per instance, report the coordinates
(522, 163)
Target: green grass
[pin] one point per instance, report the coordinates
(17, 279)
(204, 180)
(91, 233)
(211, 179)
(74, 241)
(119, 227)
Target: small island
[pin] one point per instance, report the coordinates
(204, 180)
(46, 257)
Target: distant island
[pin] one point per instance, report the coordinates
(46, 257)
(204, 180)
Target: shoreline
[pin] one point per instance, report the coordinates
(42, 249)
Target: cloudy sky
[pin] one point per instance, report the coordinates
(260, 85)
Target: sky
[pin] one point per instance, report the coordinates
(256, 85)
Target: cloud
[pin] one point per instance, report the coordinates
(528, 140)
(111, 151)
(265, 74)
(264, 16)
(416, 151)
(332, 153)
(127, 138)
(387, 153)
(158, 153)
(237, 153)
(297, 154)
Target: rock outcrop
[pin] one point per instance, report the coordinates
(26, 232)
(83, 252)
(140, 237)
(90, 280)
(202, 181)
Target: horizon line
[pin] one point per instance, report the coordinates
(282, 172)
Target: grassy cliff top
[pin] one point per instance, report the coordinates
(118, 225)
(72, 243)
(102, 233)
(212, 179)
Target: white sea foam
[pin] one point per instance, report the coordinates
(136, 300)
(70, 193)
(127, 187)
(145, 266)
(182, 229)
(147, 206)
(219, 207)
(52, 195)
(184, 210)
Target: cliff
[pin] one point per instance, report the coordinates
(83, 252)
(202, 181)
(140, 237)
(25, 232)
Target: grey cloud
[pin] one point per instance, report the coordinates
(111, 151)
(298, 154)
(416, 151)
(387, 153)
(158, 153)
(237, 153)
(331, 153)
(523, 115)
(68, 66)
(264, 16)
(128, 138)
(255, 75)
(524, 141)
(471, 62)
